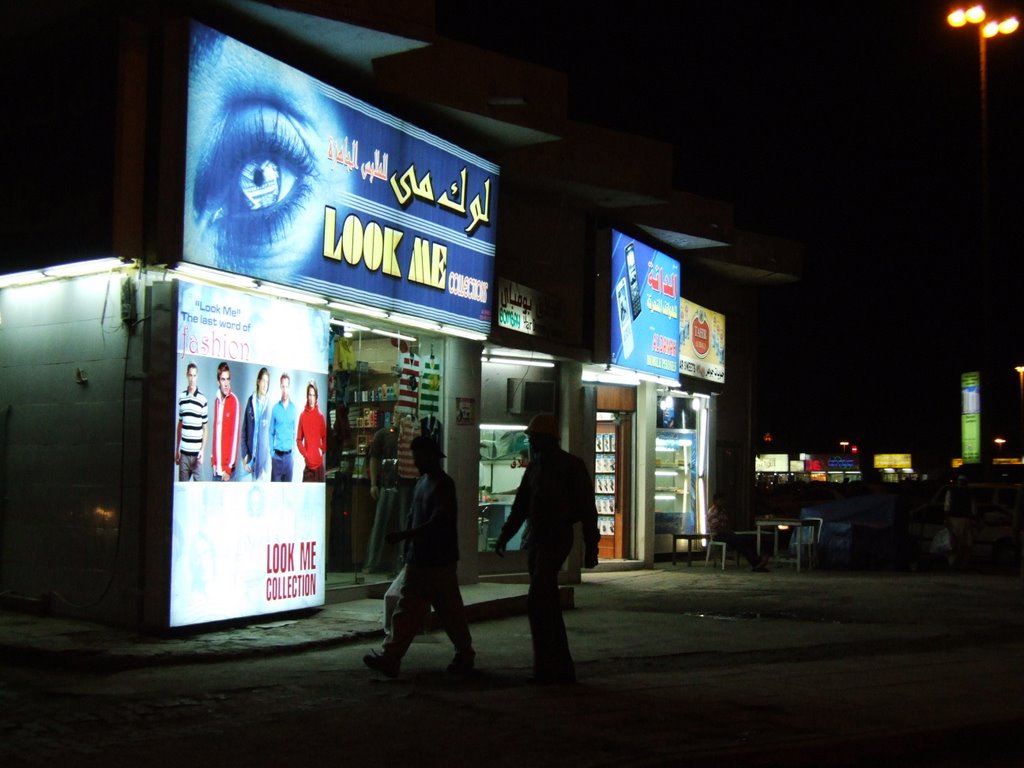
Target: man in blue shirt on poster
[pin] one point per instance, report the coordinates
(282, 434)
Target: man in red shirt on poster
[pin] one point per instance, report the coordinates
(226, 419)
(312, 437)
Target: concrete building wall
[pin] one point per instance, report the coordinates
(69, 462)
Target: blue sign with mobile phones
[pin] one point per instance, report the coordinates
(646, 286)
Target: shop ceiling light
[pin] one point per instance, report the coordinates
(518, 361)
(91, 267)
(356, 309)
(392, 334)
(462, 333)
(658, 379)
(605, 377)
(21, 278)
(503, 427)
(347, 325)
(290, 293)
(215, 276)
(415, 322)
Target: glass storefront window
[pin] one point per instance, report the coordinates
(680, 458)
(504, 454)
(515, 387)
(385, 389)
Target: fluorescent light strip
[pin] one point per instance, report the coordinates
(347, 325)
(610, 378)
(517, 361)
(91, 267)
(392, 334)
(503, 427)
(415, 322)
(463, 333)
(356, 309)
(21, 278)
(658, 379)
(290, 293)
(215, 276)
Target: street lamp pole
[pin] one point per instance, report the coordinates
(1020, 375)
(987, 28)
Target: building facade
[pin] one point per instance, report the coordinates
(313, 208)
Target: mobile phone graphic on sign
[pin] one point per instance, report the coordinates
(634, 281)
(625, 318)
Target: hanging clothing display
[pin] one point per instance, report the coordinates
(408, 383)
(430, 387)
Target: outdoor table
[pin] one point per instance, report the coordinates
(776, 523)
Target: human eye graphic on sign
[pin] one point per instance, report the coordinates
(253, 168)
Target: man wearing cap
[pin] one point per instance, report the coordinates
(429, 577)
(554, 494)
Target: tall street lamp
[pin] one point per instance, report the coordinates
(1020, 374)
(987, 28)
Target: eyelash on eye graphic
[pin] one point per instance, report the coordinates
(256, 178)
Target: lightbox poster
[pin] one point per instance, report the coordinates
(245, 545)
(644, 308)
(701, 342)
(290, 180)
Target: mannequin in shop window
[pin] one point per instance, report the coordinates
(383, 462)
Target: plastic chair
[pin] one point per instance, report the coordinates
(712, 545)
(807, 537)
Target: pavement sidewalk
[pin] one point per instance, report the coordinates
(56, 641)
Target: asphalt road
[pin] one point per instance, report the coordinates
(677, 666)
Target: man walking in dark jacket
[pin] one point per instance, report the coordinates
(430, 577)
(555, 493)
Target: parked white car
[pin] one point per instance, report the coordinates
(995, 526)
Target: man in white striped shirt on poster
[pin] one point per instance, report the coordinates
(193, 417)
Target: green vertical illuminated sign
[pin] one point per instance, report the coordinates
(970, 417)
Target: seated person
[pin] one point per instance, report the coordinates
(720, 529)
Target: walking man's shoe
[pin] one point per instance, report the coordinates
(462, 663)
(386, 665)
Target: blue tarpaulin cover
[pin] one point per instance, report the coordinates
(859, 533)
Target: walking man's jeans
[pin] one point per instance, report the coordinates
(552, 661)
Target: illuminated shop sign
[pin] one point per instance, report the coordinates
(701, 342)
(827, 462)
(292, 181)
(247, 532)
(644, 308)
(771, 462)
(893, 461)
(524, 309)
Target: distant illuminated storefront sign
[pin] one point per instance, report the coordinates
(292, 181)
(701, 342)
(893, 461)
(831, 463)
(771, 462)
(970, 417)
(644, 308)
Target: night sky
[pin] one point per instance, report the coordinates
(854, 130)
